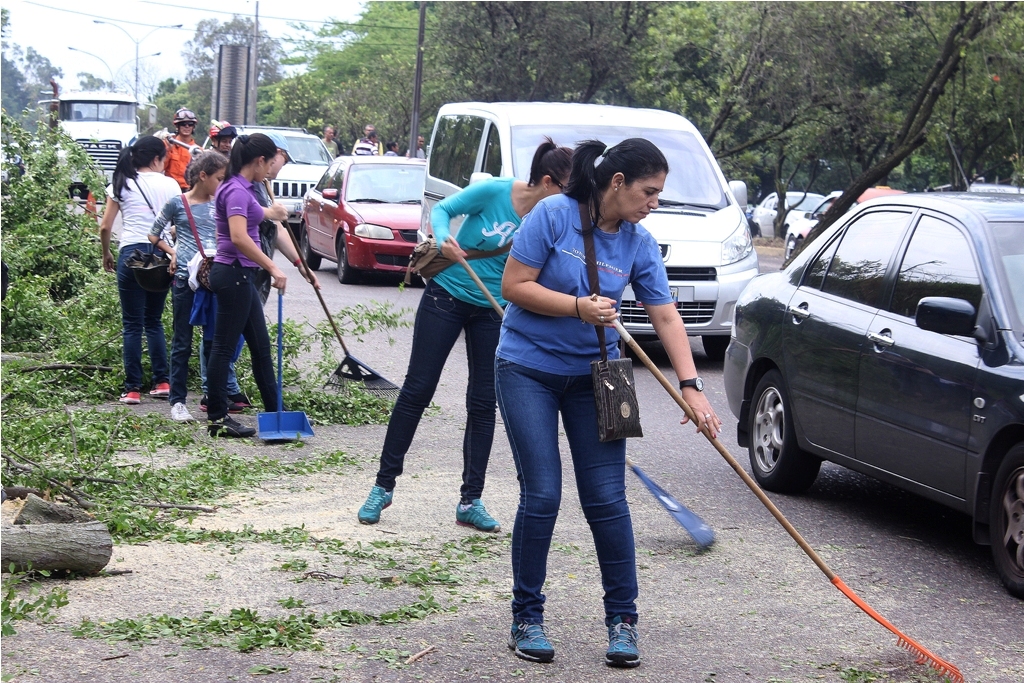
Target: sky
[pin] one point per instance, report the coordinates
(54, 26)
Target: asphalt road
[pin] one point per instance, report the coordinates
(911, 559)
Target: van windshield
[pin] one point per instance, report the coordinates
(691, 178)
(307, 150)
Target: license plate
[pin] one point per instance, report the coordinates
(684, 294)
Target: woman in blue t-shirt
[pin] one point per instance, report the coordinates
(542, 371)
(452, 304)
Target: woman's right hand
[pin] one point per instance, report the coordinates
(276, 212)
(277, 279)
(451, 250)
(108, 262)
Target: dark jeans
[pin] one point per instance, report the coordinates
(182, 297)
(530, 402)
(439, 321)
(239, 312)
(140, 311)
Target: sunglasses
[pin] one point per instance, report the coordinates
(190, 125)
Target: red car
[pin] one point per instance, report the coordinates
(363, 215)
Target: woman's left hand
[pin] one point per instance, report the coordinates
(174, 263)
(707, 420)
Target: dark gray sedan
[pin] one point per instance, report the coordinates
(894, 345)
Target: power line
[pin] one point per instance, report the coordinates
(117, 20)
(290, 19)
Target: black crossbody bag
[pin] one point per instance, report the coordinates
(618, 412)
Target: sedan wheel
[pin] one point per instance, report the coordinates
(777, 461)
(1006, 521)
(347, 275)
(312, 260)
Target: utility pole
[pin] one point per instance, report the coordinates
(414, 131)
(253, 73)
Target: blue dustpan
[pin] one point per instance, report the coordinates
(282, 426)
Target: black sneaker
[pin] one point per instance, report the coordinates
(240, 399)
(234, 407)
(229, 427)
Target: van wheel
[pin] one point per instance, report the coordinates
(347, 275)
(777, 461)
(312, 260)
(1006, 521)
(714, 347)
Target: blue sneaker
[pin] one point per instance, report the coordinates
(475, 515)
(375, 502)
(530, 643)
(622, 648)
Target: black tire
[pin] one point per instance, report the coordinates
(776, 460)
(1006, 521)
(347, 275)
(714, 347)
(268, 242)
(312, 260)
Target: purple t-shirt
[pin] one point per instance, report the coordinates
(236, 197)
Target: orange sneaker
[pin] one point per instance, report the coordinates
(130, 397)
(161, 390)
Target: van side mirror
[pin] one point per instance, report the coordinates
(739, 191)
(151, 113)
(945, 315)
(478, 176)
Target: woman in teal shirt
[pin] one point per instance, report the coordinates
(453, 304)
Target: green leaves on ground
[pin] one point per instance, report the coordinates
(39, 606)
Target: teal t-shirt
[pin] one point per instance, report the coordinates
(489, 224)
(551, 240)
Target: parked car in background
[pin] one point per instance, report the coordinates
(798, 202)
(699, 223)
(893, 344)
(363, 214)
(800, 225)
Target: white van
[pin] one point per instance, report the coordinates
(700, 224)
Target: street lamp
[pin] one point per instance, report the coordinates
(75, 49)
(137, 42)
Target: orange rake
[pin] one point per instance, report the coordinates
(923, 655)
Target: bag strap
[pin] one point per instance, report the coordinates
(192, 224)
(595, 285)
(152, 247)
(476, 253)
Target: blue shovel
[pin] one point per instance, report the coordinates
(282, 426)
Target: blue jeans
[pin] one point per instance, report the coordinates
(140, 311)
(182, 298)
(530, 402)
(440, 319)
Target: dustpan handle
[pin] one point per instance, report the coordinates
(280, 353)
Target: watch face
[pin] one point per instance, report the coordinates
(698, 384)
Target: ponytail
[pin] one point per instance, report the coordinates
(138, 155)
(594, 164)
(550, 160)
(248, 148)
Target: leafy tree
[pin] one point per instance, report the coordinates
(26, 76)
(86, 81)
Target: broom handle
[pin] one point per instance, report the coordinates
(747, 479)
(476, 278)
(305, 268)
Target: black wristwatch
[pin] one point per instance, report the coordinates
(696, 382)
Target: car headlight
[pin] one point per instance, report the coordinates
(737, 246)
(375, 232)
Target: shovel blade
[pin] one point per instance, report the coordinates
(283, 426)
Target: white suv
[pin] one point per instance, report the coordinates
(699, 224)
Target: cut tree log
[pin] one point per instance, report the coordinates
(81, 547)
(39, 511)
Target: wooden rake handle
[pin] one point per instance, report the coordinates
(306, 271)
(479, 283)
(747, 479)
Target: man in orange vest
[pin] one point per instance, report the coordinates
(179, 146)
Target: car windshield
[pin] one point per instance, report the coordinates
(385, 183)
(305, 150)
(1010, 261)
(107, 112)
(691, 180)
(798, 202)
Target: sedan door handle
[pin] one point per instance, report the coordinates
(881, 339)
(799, 312)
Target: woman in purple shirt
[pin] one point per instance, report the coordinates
(239, 309)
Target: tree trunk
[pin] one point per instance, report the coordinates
(39, 511)
(81, 547)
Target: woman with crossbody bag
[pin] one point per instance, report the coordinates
(543, 371)
(452, 304)
(138, 186)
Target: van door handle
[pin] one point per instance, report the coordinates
(799, 313)
(882, 339)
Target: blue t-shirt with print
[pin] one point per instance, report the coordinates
(185, 245)
(551, 239)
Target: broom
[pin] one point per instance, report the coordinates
(923, 655)
(350, 369)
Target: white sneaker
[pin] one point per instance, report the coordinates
(179, 413)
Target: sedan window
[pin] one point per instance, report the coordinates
(858, 269)
(938, 262)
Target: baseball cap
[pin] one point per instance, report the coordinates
(280, 143)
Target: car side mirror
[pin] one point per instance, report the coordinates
(739, 191)
(330, 193)
(946, 316)
(478, 176)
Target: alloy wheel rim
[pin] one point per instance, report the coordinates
(769, 423)
(1013, 518)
